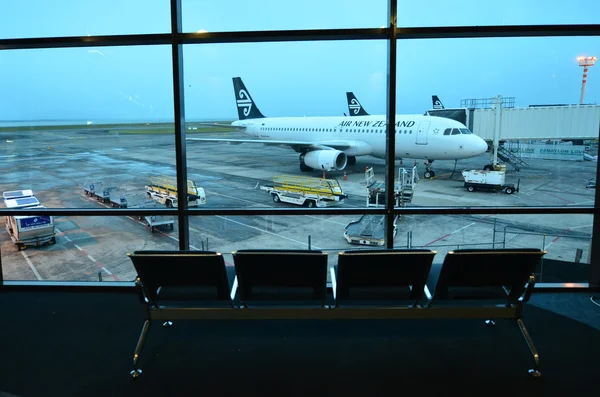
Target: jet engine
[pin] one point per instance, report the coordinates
(325, 160)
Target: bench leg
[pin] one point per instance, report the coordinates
(536, 357)
(136, 372)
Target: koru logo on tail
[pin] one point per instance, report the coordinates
(354, 105)
(437, 104)
(244, 102)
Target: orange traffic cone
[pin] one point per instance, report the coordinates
(345, 177)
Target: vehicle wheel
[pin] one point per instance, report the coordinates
(428, 174)
(471, 188)
(509, 190)
(276, 198)
(488, 167)
(53, 240)
(169, 204)
(310, 204)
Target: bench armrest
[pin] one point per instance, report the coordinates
(528, 289)
(333, 281)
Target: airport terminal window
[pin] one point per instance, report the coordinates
(231, 203)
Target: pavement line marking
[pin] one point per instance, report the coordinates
(560, 198)
(97, 263)
(579, 227)
(556, 238)
(33, 269)
(266, 232)
(437, 239)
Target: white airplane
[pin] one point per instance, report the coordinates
(329, 143)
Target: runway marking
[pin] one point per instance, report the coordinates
(33, 269)
(266, 232)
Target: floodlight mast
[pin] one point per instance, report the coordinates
(585, 62)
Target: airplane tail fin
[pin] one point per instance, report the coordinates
(246, 107)
(437, 104)
(354, 107)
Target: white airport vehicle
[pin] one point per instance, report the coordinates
(152, 221)
(25, 230)
(305, 191)
(403, 187)
(369, 229)
(329, 143)
(163, 189)
(488, 180)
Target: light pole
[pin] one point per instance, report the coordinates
(585, 62)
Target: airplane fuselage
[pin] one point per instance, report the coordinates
(417, 136)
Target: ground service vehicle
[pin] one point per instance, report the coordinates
(488, 180)
(25, 230)
(306, 191)
(163, 189)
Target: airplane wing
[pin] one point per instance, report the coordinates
(298, 146)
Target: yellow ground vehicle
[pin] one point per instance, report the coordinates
(306, 191)
(163, 189)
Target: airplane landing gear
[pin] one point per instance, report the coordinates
(429, 173)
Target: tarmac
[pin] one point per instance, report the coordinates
(56, 164)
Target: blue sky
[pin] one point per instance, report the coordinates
(285, 79)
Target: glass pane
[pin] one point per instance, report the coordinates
(58, 18)
(566, 238)
(199, 16)
(295, 125)
(81, 127)
(511, 12)
(537, 144)
(78, 248)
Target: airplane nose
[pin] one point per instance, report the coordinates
(481, 145)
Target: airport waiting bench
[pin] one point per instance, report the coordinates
(365, 285)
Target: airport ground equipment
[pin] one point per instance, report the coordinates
(118, 198)
(306, 191)
(152, 221)
(591, 183)
(488, 180)
(163, 189)
(403, 187)
(25, 230)
(369, 229)
(98, 189)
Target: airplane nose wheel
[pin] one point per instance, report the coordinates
(429, 173)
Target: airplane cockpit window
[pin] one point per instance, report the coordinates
(455, 131)
(465, 131)
(447, 131)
